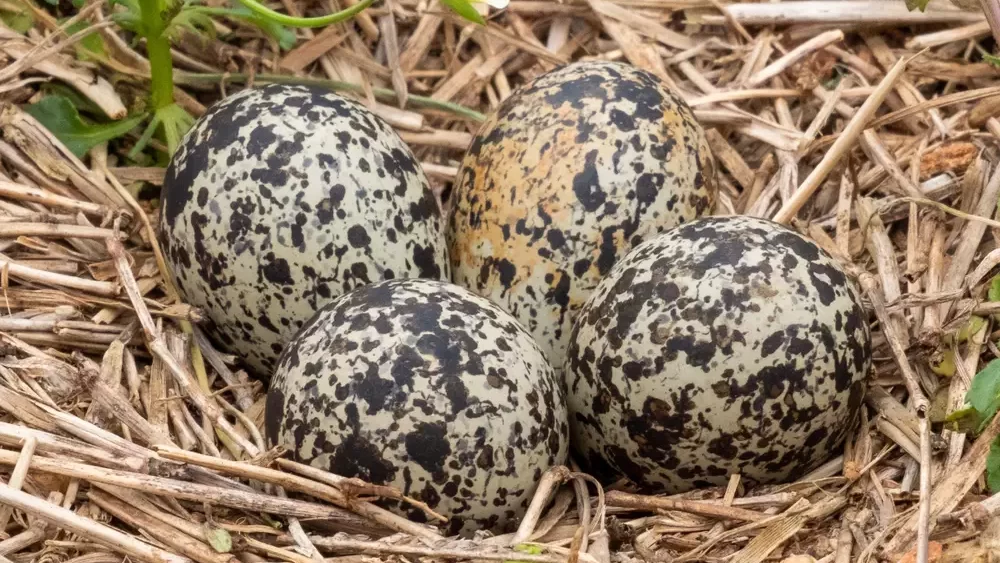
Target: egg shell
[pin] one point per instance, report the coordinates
(568, 174)
(727, 345)
(424, 386)
(282, 198)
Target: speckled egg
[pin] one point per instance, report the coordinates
(424, 386)
(727, 345)
(282, 198)
(565, 177)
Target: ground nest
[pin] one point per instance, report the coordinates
(867, 127)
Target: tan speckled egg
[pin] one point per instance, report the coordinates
(425, 386)
(569, 173)
(727, 345)
(282, 198)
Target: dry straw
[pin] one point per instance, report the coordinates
(868, 127)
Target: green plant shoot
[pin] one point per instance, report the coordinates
(982, 404)
(20, 20)
(157, 21)
(525, 548)
(465, 9)
(993, 294)
(917, 5)
(982, 401)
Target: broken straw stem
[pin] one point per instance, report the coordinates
(300, 484)
(841, 146)
(85, 527)
(794, 56)
(159, 349)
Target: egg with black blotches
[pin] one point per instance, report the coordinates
(424, 386)
(282, 198)
(563, 179)
(727, 345)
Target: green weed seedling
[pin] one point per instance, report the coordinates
(158, 23)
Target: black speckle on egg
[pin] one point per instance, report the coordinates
(272, 207)
(726, 345)
(425, 386)
(568, 174)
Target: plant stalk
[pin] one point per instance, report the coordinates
(161, 65)
(321, 21)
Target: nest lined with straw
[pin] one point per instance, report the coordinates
(125, 434)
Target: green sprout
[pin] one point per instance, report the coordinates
(159, 21)
(982, 402)
(917, 5)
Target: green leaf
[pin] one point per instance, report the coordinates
(993, 466)
(994, 292)
(194, 20)
(276, 524)
(995, 61)
(974, 325)
(129, 19)
(984, 393)
(60, 116)
(129, 5)
(219, 538)
(20, 22)
(90, 45)
(946, 367)
(966, 420)
(285, 37)
(525, 548)
(464, 8)
(83, 104)
(917, 5)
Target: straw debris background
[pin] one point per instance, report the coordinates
(866, 126)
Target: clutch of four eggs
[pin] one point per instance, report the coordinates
(576, 292)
